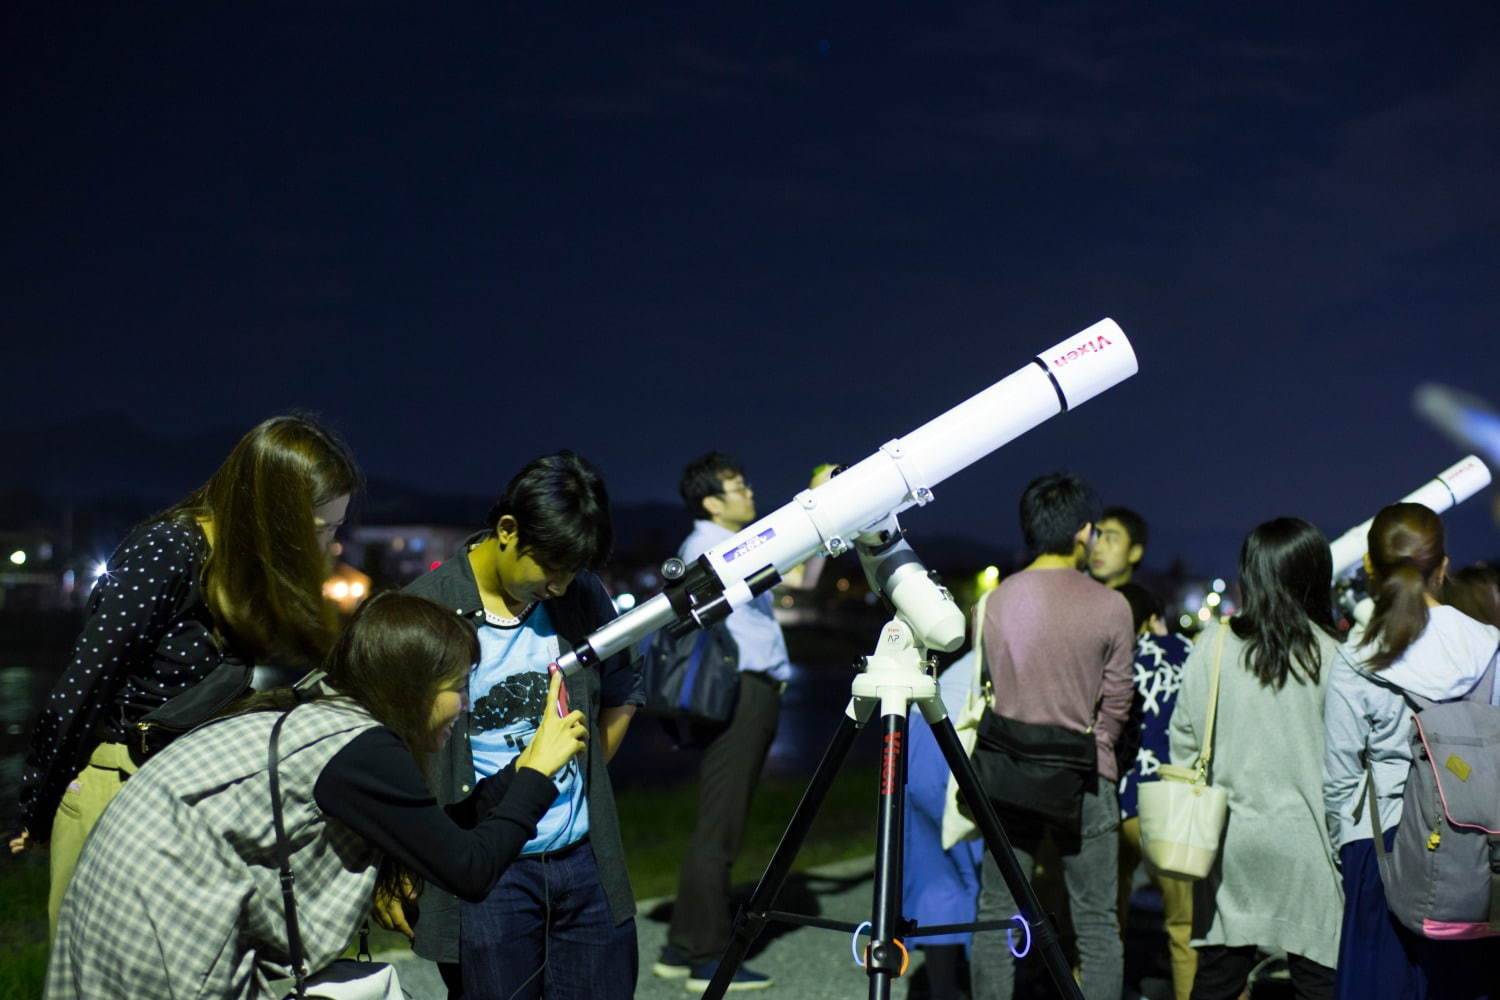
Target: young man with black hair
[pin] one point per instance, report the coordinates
(722, 502)
(561, 921)
(1058, 647)
(1120, 546)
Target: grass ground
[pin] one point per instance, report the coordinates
(656, 823)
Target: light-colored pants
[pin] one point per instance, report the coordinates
(81, 806)
(1176, 903)
(1090, 875)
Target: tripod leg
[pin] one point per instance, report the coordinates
(1043, 934)
(751, 920)
(884, 962)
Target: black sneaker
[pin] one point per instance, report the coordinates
(743, 979)
(670, 964)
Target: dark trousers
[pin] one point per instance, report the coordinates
(1379, 959)
(727, 777)
(1223, 973)
(545, 931)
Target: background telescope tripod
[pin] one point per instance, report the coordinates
(894, 679)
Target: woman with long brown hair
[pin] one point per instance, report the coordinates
(177, 892)
(1273, 886)
(234, 571)
(1412, 643)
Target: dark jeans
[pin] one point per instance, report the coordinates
(728, 774)
(545, 930)
(1223, 973)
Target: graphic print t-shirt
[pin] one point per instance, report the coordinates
(507, 693)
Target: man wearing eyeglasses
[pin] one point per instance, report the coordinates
(722, 502)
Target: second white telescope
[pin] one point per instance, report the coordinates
(1449, 488)
(898, 476)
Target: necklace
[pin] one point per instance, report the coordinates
(491, 618)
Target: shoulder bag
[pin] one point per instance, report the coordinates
(342, 979)
(1182, 815)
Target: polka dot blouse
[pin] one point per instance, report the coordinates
(148, 637)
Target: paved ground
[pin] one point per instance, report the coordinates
(806, 963)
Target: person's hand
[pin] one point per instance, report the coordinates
(390, 910)
(23, 842)
(556, 741)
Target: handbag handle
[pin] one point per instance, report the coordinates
(284, 861)
(982, 683)
(1206, 754)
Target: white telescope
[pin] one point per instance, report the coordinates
(1449, 488)
(857, 504)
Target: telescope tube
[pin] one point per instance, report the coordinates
(1449, 488)
(898, 476)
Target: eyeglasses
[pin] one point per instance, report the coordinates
(326, 529)
(744, 488)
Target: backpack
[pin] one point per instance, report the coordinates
(1442, 873)
(692, 682)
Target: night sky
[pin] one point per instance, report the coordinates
(474, 234)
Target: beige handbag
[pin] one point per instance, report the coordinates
(1182, 815)
(956, 825)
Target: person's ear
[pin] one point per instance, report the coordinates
(1135, 554)
(507, 529)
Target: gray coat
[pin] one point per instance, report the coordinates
(1274, 883)
(177, 893)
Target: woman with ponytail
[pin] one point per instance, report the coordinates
(1412, 643)
(1273, 886)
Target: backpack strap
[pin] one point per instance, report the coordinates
(1374, 809)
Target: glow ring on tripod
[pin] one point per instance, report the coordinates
(854, 944)
(1010, 939)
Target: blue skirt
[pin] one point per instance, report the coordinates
(1379, 959)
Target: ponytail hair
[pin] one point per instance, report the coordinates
(1406, 564)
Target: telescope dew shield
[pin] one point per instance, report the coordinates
(1449, 488)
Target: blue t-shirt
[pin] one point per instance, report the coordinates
(508, 692)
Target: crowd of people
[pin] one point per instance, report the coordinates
(432, 770)
(1314, 719)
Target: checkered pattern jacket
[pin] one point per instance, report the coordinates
(177, 892)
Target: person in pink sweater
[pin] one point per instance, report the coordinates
(1059, 648)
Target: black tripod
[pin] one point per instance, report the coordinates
(893, 679)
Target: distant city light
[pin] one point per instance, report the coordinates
(1204, 614)
(842, 585)
(339, 589)
(357, 589)
(1212, 600)
(18, 557)
(434, 565)
(1186, 621)
(624, 602)
(991, 575)
(1218, 585)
